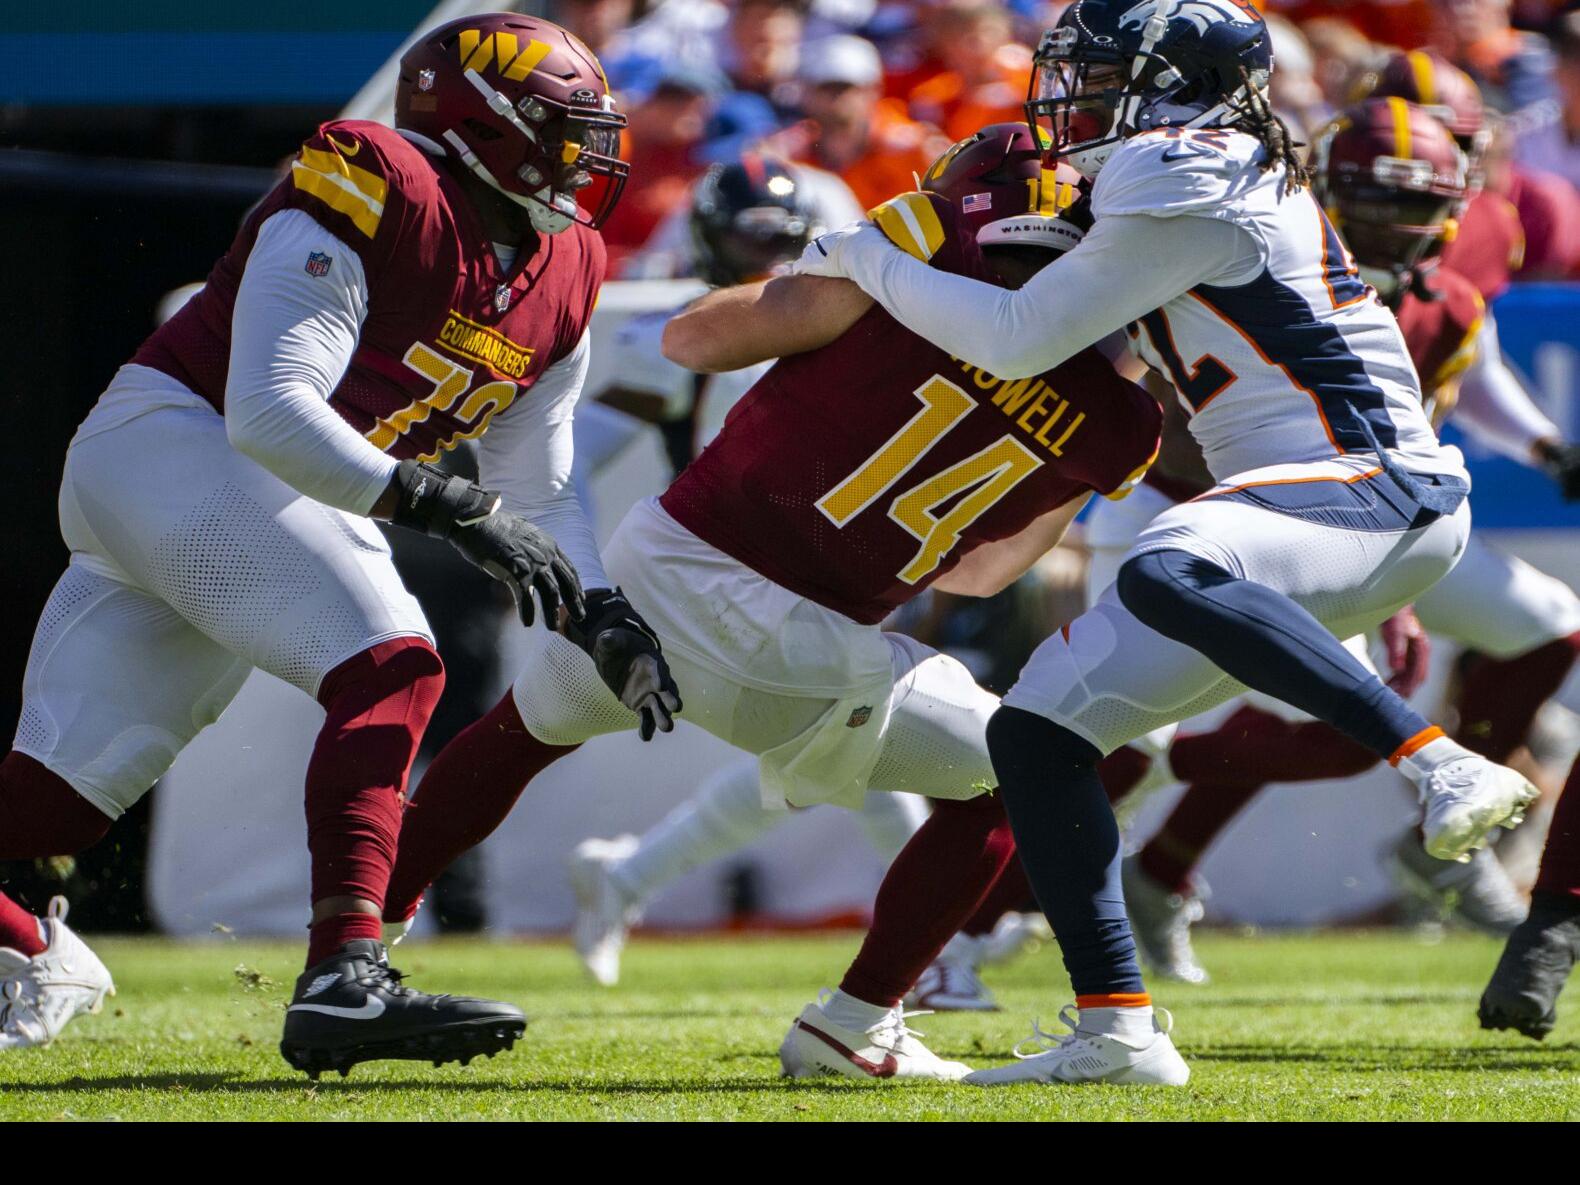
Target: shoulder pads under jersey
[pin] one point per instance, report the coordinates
(1173, 172)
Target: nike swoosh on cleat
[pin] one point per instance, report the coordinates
(369, 1009)
(887, 1068)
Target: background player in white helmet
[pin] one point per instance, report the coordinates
(1335, 505)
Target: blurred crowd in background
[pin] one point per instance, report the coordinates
(872, 90)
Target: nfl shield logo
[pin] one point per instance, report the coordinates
(502, 298)
(318, 264)
(425, 80)
(860, 716)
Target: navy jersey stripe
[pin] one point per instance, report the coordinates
(1276, 320)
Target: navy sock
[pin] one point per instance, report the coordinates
(1069, 846)
(1267, 641)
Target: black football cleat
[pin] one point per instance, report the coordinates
(1536, 962)
(354, 1008)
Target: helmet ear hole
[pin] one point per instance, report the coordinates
(482, 131)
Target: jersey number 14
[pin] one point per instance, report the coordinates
(974, 484)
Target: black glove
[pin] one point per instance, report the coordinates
(626, 652)
(505, 545)
(1562, 462)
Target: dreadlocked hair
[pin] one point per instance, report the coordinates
(1261, 121)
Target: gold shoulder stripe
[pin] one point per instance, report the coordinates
(911, 224)
(342, 186)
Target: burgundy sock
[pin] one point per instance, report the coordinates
(378, 704)
(1121, 770)
(19, 929)
(1560, 871)
(1010, 893)
(465, 794)
(1498, 698)
(41, 815)
(1254, 747)
(329, 935)
(936, 882)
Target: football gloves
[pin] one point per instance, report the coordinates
(1562, 463)
(626, 652)
(505, 545)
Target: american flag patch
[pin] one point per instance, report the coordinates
(973, 202)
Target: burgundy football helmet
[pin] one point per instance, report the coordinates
(526, 107)
(997, 180)
(1447, 92)
(1391, 178)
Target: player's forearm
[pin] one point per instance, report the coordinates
(1494, 405)
(1126, 266)
(990, 568)
(734, 328)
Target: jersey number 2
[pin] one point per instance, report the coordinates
(975, 484)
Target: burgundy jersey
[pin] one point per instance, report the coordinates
(1490, 246)
(451, 339)
(858, 473)
(1440, 331)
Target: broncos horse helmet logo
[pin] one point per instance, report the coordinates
(1201, 13)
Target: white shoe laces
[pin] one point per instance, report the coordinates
(1043, 1042)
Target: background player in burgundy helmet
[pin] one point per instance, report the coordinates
(854, 475)
(1487, 250)
(397, 292)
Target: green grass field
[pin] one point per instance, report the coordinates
(1336, 1026)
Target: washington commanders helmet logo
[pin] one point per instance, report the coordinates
(1201, 13)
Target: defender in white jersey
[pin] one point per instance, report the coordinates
(1335, 504)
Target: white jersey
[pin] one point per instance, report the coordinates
(1278, 360)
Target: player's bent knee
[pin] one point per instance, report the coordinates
(391, 684)
(1028, 749)
(41, 815)
(560, 697)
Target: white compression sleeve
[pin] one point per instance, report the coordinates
(292, 337)
(526, 456)
(1494, 405)
(1128, 265)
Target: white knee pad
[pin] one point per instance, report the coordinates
(936, 743)
(561, 699)
(116, 685)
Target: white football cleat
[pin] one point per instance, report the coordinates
(604, 914)
(815, 1047)
(1161, 920)
(951, 985)
(40, 995)
(1014, 933)
(1465, 799)
(1081, 1057)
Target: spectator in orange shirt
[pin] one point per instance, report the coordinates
(851, 129)
(1405, 24)
(986, 73)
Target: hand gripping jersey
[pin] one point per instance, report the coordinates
(1282, 361)
(1441, 328)
(858, 473)
(451, 339)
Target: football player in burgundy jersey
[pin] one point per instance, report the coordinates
(397, 292)
(859, 471)
(1308, 411)
(1487, 249)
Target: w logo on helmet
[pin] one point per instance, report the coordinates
(1201, 13)
(479, 51)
